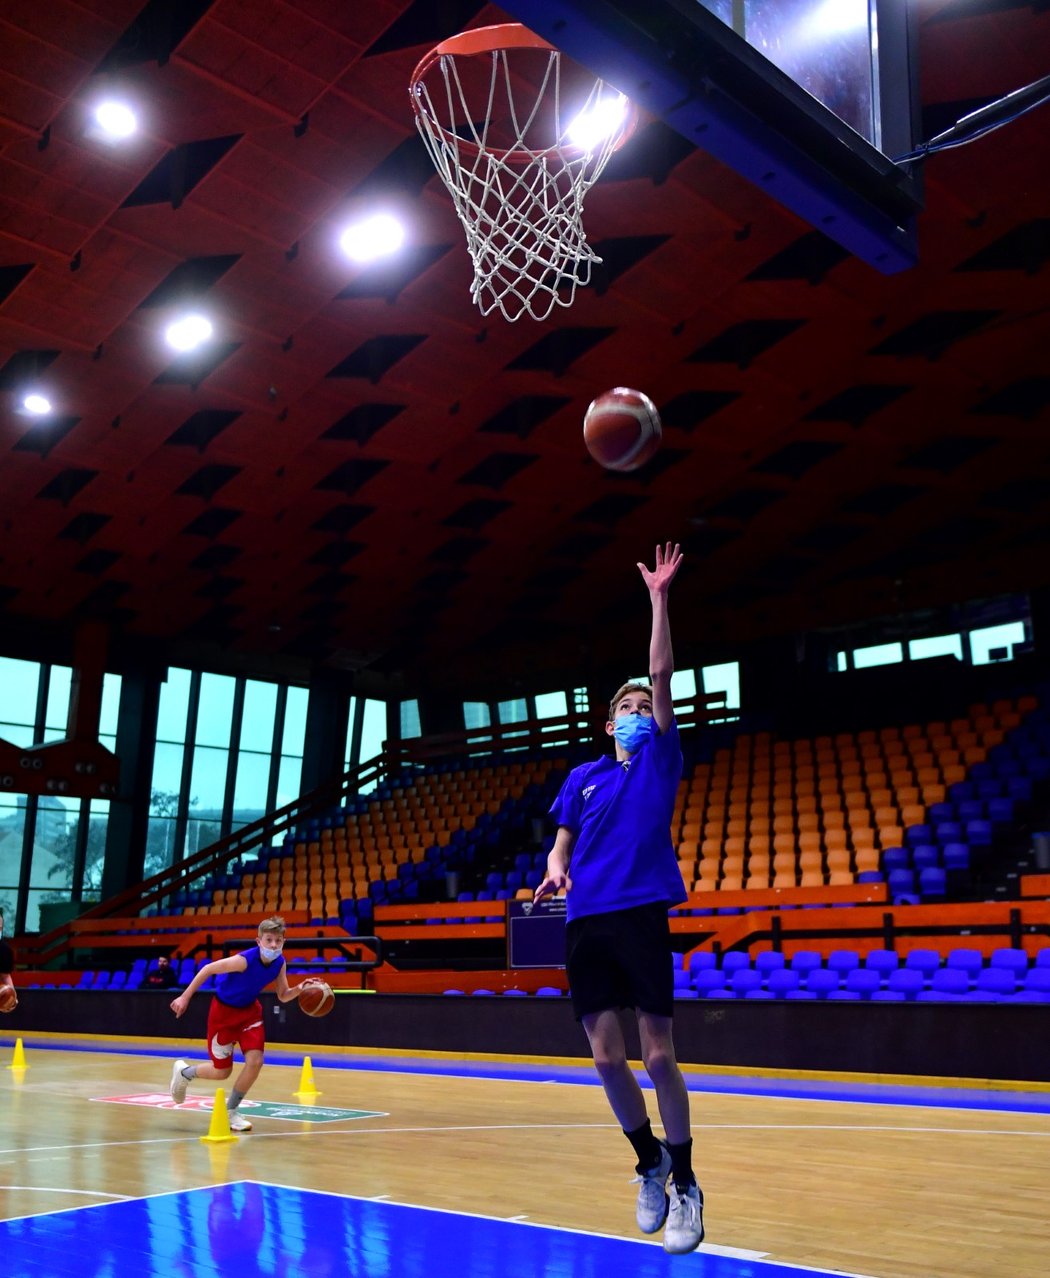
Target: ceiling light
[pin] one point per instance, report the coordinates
(591, 128)
(35, 404)
(372, 238)
(188, 332)
(115, 120)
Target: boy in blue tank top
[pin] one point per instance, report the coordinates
(614, 857)
(235, 1016)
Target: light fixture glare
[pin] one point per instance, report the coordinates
(116, 119)
(188, 332)
(36, 405)
(373, 237)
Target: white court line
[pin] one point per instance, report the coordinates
(315, 1133)
(735, 1253)
(52, 1189)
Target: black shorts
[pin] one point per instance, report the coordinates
(621, 959)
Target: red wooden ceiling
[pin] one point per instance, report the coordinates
(371, 476)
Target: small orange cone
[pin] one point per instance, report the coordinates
(307, 1087)
(219, 1128)
(18, 1060)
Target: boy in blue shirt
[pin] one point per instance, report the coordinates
(236, 1016)
(614, 857)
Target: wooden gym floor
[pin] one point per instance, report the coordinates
(484, 1167)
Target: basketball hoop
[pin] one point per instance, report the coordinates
(492, 106)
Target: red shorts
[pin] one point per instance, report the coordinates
(229, 1027)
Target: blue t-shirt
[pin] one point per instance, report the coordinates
(622, 855)
(241, 989)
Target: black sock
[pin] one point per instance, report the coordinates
(646, 1146)
(682, 1165)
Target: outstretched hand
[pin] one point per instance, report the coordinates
(668, 559)
(552, 884)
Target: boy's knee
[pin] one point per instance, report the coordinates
(660, 1063)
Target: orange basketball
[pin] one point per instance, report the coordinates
(8, 998)
(621, 429)
(317, 998)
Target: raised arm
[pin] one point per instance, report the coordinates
(661, 657)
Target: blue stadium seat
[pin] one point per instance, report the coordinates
(925, 856)
(956, 856)
(781, 981)
(701, 960)
(882, 961)
(965, 960)
(933, 883)
(993, 983)
(732, 960)
(1001, 812)
(1013, 960)
(821, 982)
(916, 834)
(925, 962)
(1037, 981)
(805, 961)
(706, 980)
(863, 982)
(905, 982)
(979, 834)
(894, 859)
(948, 832)
(769, 961)
(843, 961)
(947, 985)
(745, 979)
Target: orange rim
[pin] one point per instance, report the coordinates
(506, 35)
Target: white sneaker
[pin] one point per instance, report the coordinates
(238, 1123)
(651, 1209)
(178, 1084)
(685, 1221)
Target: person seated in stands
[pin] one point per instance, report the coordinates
(161, 977)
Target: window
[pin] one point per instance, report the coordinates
(295, 722)
(683, 685)
(724, 678)
(476, 715)
(19, 681)
(410, 720)
(936, 646)
(56, 719)
(174, 705)
(552, 705)
(995, 643)
(373, 734)
(880, 654)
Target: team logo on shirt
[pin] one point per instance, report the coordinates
(587, 791)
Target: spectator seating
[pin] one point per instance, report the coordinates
(881, 975)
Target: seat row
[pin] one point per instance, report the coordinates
(880, 975)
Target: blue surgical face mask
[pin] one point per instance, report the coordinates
(268, 956)
(632, 731)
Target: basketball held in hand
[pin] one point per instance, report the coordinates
(621, 429)
(8, 998)
(316, 998)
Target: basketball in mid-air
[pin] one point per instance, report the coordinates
(8, 998)
(317, 998)
(621, 429)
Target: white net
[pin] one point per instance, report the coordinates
(517, 170)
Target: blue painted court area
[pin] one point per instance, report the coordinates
(254, 1230)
